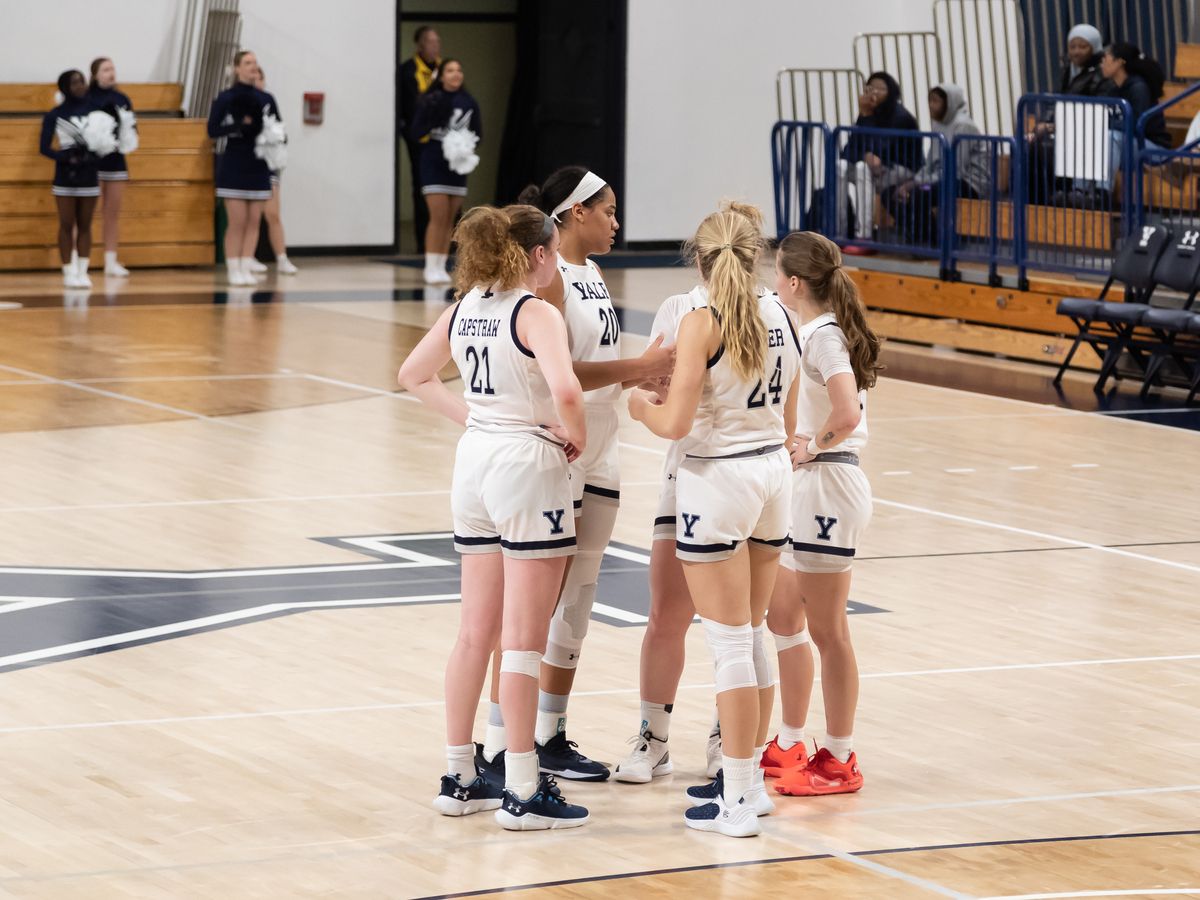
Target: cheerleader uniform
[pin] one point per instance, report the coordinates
(240, 174)
(439, 112)
(831, 497)
(111, 167)
(734, 482)
(74, 165)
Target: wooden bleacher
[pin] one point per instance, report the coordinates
(973, 317)
(167, 216)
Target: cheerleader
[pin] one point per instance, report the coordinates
(585, 209)
(445, 107)
(76, 186)
(732, 404)
(243, 179)
(831, 506)
(112, 170)
(510, 499)
(283, 265)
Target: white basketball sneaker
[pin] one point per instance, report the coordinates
(650, 758)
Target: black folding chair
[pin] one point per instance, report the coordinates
(1162, 333)
(1105, 324)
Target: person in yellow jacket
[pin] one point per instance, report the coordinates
(416, 75)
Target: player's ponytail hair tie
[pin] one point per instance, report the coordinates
(589, 186)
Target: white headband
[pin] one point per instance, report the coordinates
(590, 185)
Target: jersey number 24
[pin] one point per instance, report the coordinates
(758, 399)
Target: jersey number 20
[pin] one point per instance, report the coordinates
(479, 359)
(758, 399)
(612, 328)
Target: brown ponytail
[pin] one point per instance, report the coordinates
(816, 260)
(494, 245)
(726, 248)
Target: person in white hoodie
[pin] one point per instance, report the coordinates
(913, 202)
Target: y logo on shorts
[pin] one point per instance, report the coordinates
(689, 522)
(554, 517)
(825, 523)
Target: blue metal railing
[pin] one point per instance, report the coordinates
(798, 163)
(1063, 197)
(1074, 197)
(872, 171)
(982, 231)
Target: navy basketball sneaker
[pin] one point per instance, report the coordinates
(546, 809)
(457, 799)
(492, 772)
(558, 756)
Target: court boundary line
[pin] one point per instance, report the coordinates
(605, 692)
(226, 421)
(708, 867)
(999, 525)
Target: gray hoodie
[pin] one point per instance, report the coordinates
(973, 156)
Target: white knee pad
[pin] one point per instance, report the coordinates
(521, 662)
(569, 625)
(788, 641)
(762, 663)
(733, 654)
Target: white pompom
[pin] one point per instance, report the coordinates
(458, 146)
(271, 143)
(127, 134)
(100, 133)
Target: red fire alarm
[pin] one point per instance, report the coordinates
(314, 108)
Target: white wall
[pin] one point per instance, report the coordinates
(42, 39)
(339, 187)
(701, 96)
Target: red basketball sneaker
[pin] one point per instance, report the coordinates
(775, 762)
(824, 774)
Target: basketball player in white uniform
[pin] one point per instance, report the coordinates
(731, 403)
(585, 208)
(831, 507)
(511, 503)
(671, 607)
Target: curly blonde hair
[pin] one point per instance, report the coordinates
(494, 245)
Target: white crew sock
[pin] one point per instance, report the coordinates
(739, 778)
(757, 775)
(495, 738)
(460, 761)
(789, 737)
(840, 747)
(521, 774)
(657, 718)
(110, 257)
(551, 716)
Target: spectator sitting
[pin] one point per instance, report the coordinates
(914, 202)
(1139, 81)
(1081, 77)
(872, 163)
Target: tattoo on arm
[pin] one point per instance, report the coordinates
(827, 439)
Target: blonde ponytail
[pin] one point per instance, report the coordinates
(726, 247)
(816, 260)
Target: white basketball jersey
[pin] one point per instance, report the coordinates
(736, 415)
(593, 332)
(502, 382)
(825, 355)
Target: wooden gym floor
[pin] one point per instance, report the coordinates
(231, 497)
